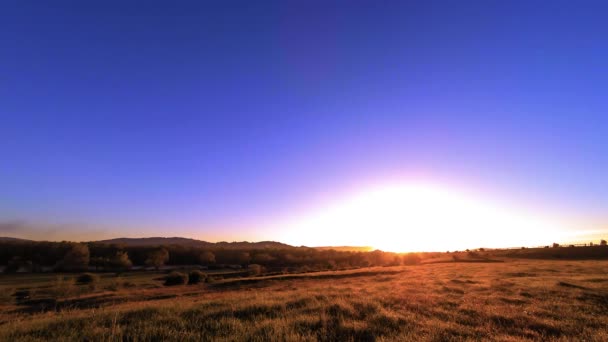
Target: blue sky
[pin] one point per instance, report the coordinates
(212, 119)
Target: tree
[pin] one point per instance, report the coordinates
(157, 258)
(121, 260)
(77, 259)
(603, 243)
(206, 258)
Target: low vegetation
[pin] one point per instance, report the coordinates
(543, 300)
(196, 277)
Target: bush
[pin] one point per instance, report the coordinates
(196, 277)
(176, 278)
(87, 278)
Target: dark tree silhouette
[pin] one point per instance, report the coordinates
(158, 258)
(77, 259)
(206, 258)
(121, 261)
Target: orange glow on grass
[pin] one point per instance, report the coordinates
(418, 217)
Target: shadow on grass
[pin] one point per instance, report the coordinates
(569, 285)
(265, 281)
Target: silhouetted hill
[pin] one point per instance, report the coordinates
(12, 239)
(152, 241)
(157, 241)
(346, 248)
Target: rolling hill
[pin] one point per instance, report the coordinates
(152, 241)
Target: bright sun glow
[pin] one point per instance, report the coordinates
(418, 217)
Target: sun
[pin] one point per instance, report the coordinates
(417, 217)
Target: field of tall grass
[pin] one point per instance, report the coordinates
(503, 301)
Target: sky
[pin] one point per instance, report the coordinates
(239, 120)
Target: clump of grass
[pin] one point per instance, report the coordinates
(176, 278)
(196, 277)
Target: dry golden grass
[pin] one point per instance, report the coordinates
(511, 301)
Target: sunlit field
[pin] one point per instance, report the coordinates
(512, 300)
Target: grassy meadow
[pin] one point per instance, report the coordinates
(548, 300)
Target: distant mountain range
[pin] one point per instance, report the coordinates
(195, 243)
(156, 241)
(6, 238)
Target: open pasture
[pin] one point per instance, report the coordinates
(509, 301)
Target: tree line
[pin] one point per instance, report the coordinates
(70, 256)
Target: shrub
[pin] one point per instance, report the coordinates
(196, 277)
(87, 278)
(176, 278)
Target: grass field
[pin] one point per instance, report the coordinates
(504, 301)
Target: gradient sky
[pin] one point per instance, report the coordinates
(217, 119)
